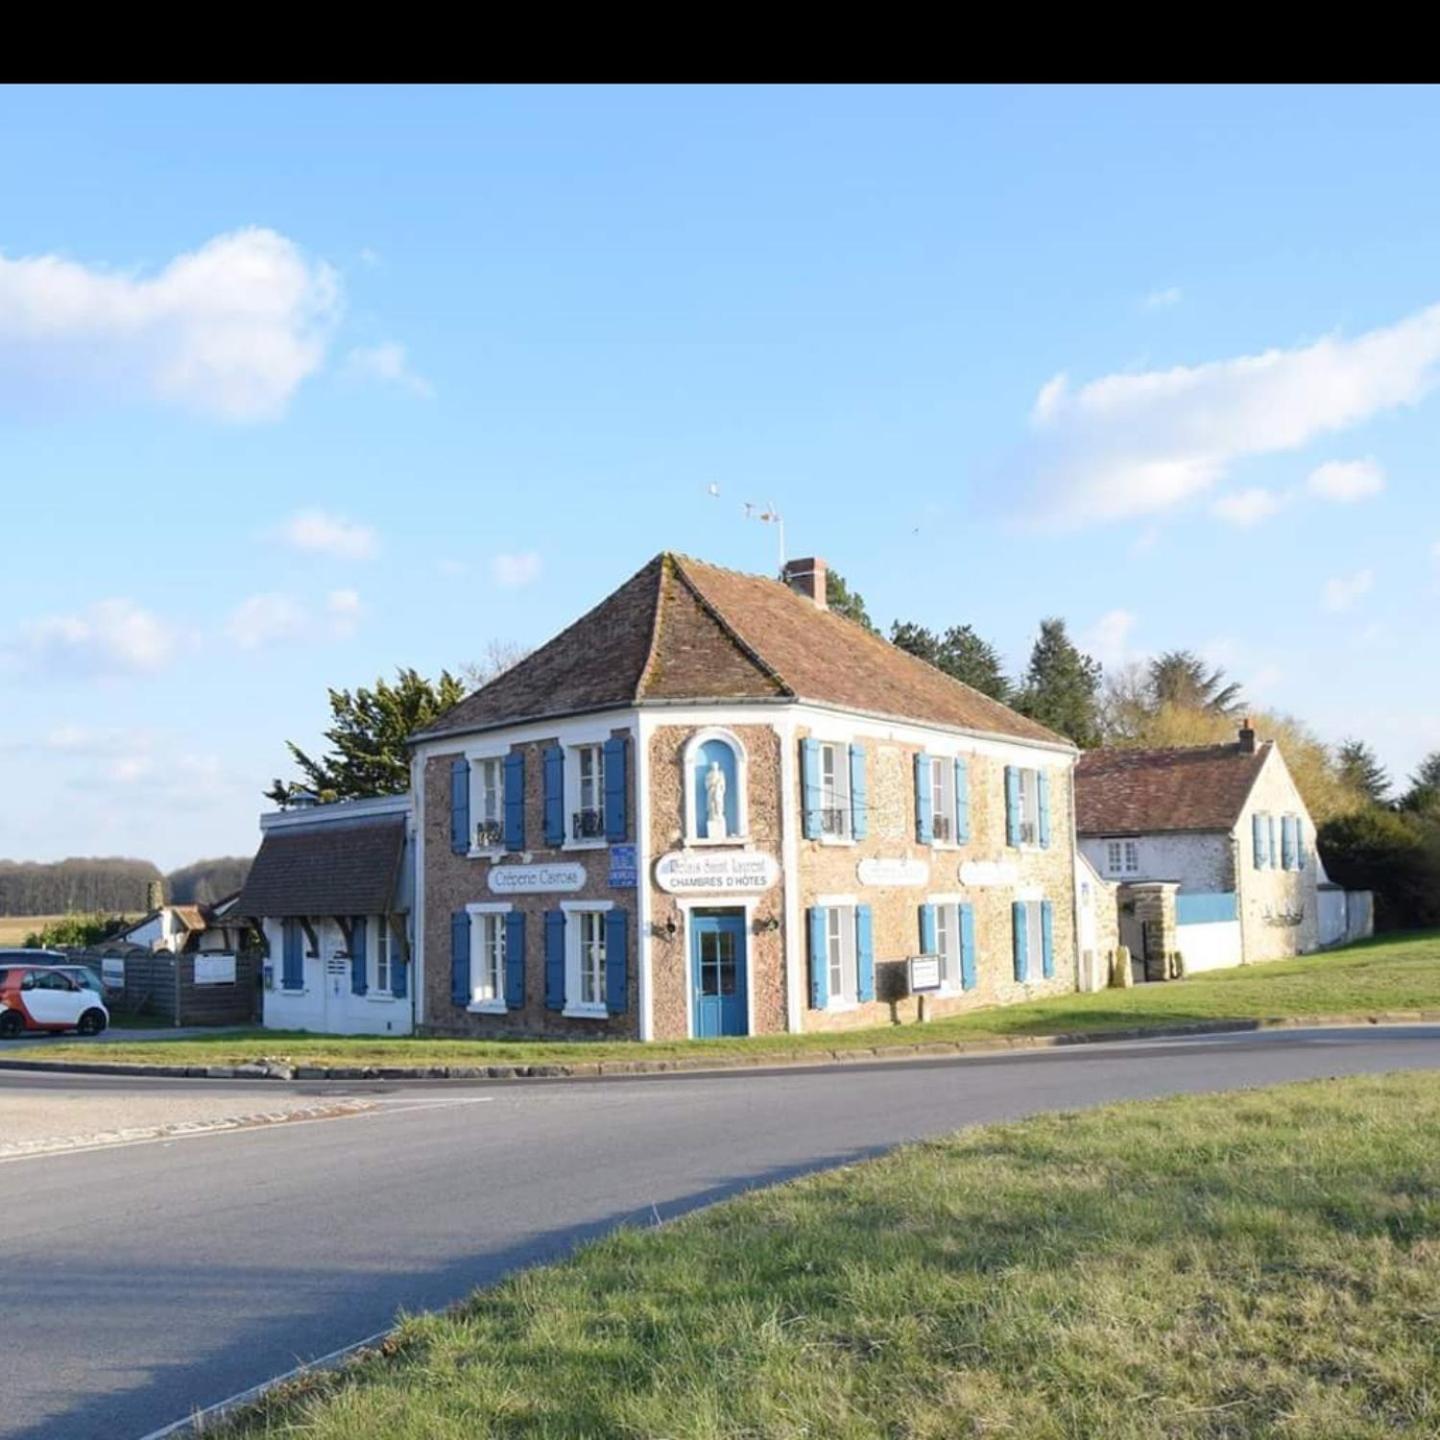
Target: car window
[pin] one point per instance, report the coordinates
(52, 980)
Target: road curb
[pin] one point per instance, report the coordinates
(590, 1070)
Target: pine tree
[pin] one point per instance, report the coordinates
(1062, 686)
(1360, 768)
(1180, 677)
(916, 640)
(840, 598)
(1423, 796)
(367, 737)
(960, 653)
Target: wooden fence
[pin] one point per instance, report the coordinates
(163, 987)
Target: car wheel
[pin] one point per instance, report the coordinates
(12, 1023)
(92, 1022)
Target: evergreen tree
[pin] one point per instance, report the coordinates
(1180, 677)
(840, 598)
(1423, 796)
(1062, 686)
(916, 640)
(959, 652)
(1360, 768)
(367, 737)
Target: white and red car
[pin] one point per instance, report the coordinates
(39, 996)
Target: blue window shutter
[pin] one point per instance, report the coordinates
(924, 809)
(292, 972)
(1287, 842)
(554, 959)
(554, 775)
(515, 800)
(859, 800)
(967, 947)
(819, 960)
(1022, 941)
(1258, 825)
(927, 929)
(1012, 806)
(460, 806)
(864, 954)
(617, 790)
(617, 960)
(962, 801)
(810, 787)
(515, 960)
(1042, 778)
(460, 957)
(1047, 939)
(1272, 850)
(359, 934)
(1299, 842)
(399, 969)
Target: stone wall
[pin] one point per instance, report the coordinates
(452, 881)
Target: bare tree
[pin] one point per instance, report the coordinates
(499, 656)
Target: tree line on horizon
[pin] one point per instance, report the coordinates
(112, 885)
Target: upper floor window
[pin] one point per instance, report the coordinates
(715, 790)
(1027, 806)
(488, 779)
(1122, 857)
(835, 791)
(942, 799)
(587, 820)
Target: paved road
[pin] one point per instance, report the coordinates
(139, 1283)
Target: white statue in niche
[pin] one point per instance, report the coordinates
(715, 802)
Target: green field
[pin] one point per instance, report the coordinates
(15, 929)
(1265, 1263)
(1397, 974)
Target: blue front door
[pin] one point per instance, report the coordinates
(717, 961)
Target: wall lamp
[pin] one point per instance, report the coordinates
(765, 924)
(668, 931)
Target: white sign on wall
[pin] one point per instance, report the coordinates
(988, 872)
(896, 871)
(214, 969)
(112, 972)
(536, 879)
(723, 871)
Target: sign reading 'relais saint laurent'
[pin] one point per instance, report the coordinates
(721, 872)
(536, 879)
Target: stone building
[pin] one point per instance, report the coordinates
(1212, 848)
(712, 806)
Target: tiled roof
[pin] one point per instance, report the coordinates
(1195, 787)
(334, 869)
(681, 629)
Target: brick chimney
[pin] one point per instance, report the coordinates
(154, 895)
(807, 577)
(1247, 737)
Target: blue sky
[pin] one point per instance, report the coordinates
(299, 386)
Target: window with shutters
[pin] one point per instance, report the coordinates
(585, 926)
(487, 803)
(585, 789)
(840, 954)
(489, 932)
(942, 800)
(1122, 857)
(381, 979)
(834, 792)
(1029, 806)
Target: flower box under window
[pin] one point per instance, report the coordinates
(488, 834)
(588, 825)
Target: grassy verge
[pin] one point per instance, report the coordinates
(1259, 1264)
(1387, 975)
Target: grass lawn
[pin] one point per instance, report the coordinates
(1398, 973)
(1265, 1263)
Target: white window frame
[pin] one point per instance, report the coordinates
(576, 919)
(1029, 785)
(835, 797)
(1122, 857)
(573, 797)
(480, 766)
(489, 931)
(840, 951)
(943, 800)
(383, 979)
(947, 913)
(1034, 939)
(689, 759)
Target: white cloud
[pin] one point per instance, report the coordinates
(513, 571)
(265, 619)
(319, 532)
(388, 364)
(230, 330)
(110, 637)
(344, 609)
(1343, 591)
(1347, 480)
(1163, 299)
(1108, 640)
(1248, 507)
(1133, 444)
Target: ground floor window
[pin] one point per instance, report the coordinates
(487, 959)
(1034, 942)
(592, 957)
(840, 952)
(382, 955)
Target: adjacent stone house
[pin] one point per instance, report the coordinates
(714, 807)
(330, 891)
(1212, 847)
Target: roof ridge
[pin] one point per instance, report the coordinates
(713, 611)
(667, 560)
